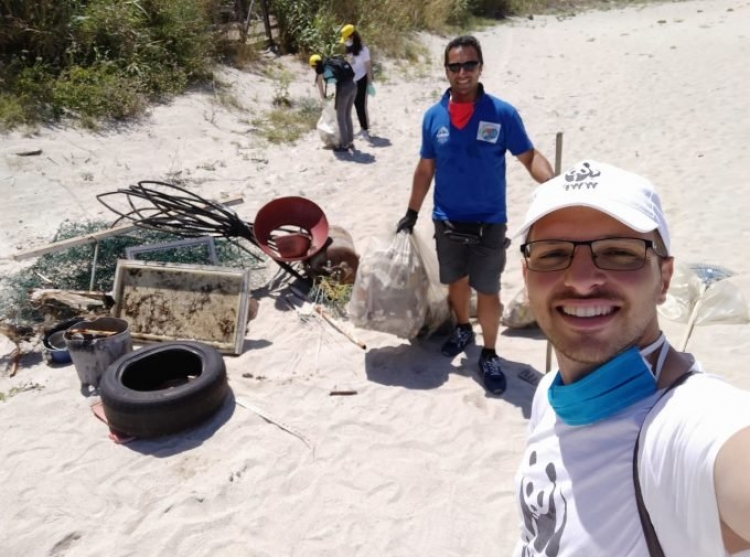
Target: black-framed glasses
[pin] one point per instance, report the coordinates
(609, 254)
(469, 66)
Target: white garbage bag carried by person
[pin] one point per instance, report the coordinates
(328, 126)
(397, 289)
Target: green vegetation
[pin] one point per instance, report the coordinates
(99, 59)
(331, 294)
(102, 60)
(288, 122)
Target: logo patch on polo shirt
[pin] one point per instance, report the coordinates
(443, 135)
(488, 131)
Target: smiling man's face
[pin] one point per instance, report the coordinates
(589, 314)
(464, 83)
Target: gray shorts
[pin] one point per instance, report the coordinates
(473, 249)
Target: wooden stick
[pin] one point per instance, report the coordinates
(94, 332)
(558, 164)
(324, 314)
(94, 237)
(693, 317)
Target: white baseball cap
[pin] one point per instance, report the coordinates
(622, 195)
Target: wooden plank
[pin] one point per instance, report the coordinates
(94, 237)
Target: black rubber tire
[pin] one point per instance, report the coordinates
(137, 396)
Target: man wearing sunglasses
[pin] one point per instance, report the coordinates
(632, 450)
(464, 140)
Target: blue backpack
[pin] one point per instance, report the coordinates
(339, 69)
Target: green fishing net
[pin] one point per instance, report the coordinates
(92, 266)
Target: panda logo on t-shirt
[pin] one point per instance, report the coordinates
(545, 512)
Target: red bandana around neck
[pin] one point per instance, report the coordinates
(460, 113)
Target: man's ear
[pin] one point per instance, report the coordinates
(667, 270)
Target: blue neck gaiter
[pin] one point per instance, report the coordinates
(620, 382)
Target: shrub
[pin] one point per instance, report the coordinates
(102, 59)
(98, 58)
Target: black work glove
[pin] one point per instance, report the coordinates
(408, 221)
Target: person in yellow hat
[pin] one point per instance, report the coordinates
(359, 57)
(337, 71)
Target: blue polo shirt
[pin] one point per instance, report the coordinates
(470, 162)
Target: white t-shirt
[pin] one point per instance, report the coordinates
(575, 484)
(358, 63)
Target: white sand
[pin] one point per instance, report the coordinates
(420, 461)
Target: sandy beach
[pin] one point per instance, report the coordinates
(420, 461)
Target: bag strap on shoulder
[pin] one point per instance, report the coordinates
(652, 541)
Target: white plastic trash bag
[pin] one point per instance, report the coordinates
(517, 314)
(722, 302)
(704, 300)
(438, 308)
(683, 292)
(328, 126)
(393, 292)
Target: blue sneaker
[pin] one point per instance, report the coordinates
(493, 377)
(460, 338)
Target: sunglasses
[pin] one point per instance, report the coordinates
(469, 66)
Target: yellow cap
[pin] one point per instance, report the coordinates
(314, 59)
(346, 31)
